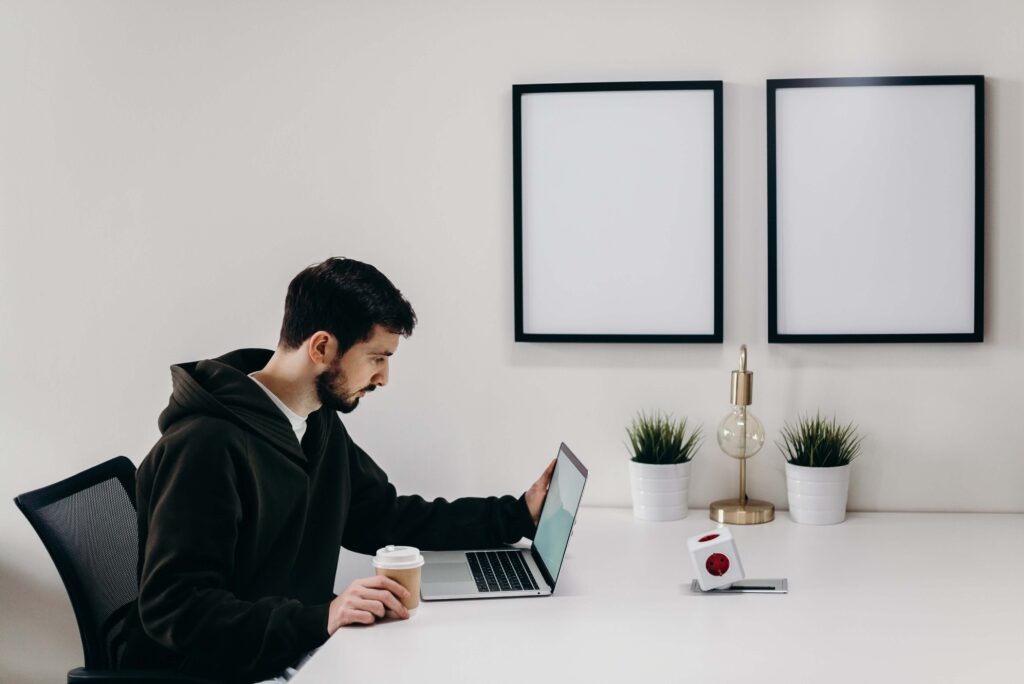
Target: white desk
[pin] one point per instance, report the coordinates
(883, 597)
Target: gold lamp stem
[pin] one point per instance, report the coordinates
(743, 458)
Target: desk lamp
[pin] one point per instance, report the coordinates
(741, 435)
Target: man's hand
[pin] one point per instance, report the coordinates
(536, 493)
(365, 600)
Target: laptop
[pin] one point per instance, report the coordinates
(513, 572)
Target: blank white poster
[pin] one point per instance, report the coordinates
(618, 213)
(875, 189)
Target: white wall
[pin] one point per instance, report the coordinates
(166, 168)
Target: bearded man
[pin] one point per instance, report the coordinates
(255, 483)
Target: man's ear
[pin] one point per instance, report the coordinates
(322, 346)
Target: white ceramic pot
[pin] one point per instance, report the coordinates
(817, 496)
(660, 491)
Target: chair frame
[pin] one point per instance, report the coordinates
(98, 668)
(124, 470)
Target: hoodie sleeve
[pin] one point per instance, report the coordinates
(378, 516)
(194, 514)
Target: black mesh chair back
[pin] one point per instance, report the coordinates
(88, 524)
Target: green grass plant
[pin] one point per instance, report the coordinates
(817, 442)
(661, 439)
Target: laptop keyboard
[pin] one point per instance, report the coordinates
(500, 571)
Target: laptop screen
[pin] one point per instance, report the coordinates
(560, 506)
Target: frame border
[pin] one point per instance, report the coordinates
(977, 335)
(518, 90)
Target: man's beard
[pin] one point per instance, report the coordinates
(332, 389)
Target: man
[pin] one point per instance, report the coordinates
(255, 483)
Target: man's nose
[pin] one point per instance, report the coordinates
(381, 378)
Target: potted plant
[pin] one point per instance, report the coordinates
(818, 454)
(659, 470)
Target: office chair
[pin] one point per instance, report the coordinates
(88, 525)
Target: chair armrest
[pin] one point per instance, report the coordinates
(81, 675)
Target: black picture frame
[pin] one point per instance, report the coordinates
(949, 125)
(560, 260)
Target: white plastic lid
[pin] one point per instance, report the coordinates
(398, 558)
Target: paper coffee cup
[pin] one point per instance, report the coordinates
(404, 564)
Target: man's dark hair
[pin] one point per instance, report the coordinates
(346, 298)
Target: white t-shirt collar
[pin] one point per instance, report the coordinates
(298, 422)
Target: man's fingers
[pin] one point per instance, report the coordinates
(537, 492)
(545, 478)
(386, 598)
(384, 591)
(370, 606)
(382, 582)
(368, 599)
(362, 617)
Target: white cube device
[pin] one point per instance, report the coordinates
(716, 561)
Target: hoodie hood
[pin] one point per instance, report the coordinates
(222, 388)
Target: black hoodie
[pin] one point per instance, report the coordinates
(240, 526)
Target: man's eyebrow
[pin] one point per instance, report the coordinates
(380, 353)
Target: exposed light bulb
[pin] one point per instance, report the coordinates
(740, 434)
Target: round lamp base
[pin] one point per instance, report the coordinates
(736, 512)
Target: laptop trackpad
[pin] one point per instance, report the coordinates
(447, 571)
